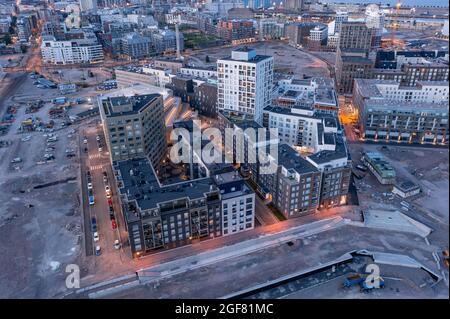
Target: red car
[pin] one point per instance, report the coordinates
(110, 203)
(113, 224)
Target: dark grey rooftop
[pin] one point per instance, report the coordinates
(140, 183)
(291, 159)
(406, 185)
(356, 59)
(137, 102)
(326, 156)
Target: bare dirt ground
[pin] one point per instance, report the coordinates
(287, 59)
(40, 223)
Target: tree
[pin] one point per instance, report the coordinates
(6, 38)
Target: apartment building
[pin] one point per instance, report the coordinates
(245, 83)
(130, 75)
(355, 35)
(238, 203)
(76, 51)
(390, 112)
(305, 129)
(315, 93)
(204, 73)
(335, 165)
(352, 60)
(135, 46)
(271, 29)
(162, 75)
(296, 185)
(236, 31)
(205, 99)
(166, 41)
(168, 64)
(318, 38)
(297, 188)
(298, 33)
(341, 16)
(133, 122)
(168, 216)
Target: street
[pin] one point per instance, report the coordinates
(97, 163)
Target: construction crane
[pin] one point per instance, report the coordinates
(395, 22)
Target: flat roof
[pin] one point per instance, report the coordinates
(339, 152)
(141, 184)
(291, 159)
(137, 102)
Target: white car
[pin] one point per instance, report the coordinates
(98, 250)
(96, 237)
(98, 138)
(89, 185)
(116, 244)
(100, 149)
(107, 189)
(85, 141)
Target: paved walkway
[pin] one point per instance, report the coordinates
(208, 257)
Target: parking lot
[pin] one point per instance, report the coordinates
(40, 209)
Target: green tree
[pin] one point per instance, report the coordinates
(6, 39)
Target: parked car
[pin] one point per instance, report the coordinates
(85, 141)
(100, 149)
(98, 251)
(91, 197)
(110, 203)
(89, 185)
(116, 244)
(105, 177)
(16, 160)
(98, 138)
(94, 224)
(96, 237)
(113, 224)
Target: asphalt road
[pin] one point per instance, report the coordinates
(98, 162)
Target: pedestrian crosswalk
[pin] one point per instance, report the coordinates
(96, 167)
(98, 155)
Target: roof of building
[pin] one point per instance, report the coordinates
(356, 59)
(291, 159)
(406, 185)
(137, 103)
(383, 168)
(256, 59)
(140, 183)
(339, 152)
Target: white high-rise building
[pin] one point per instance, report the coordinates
(374, 18)
(87, 5)
(341, 16)
(245, 83)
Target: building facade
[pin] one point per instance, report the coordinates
(77, 51)
(245, 83)
(134, 125)
(390, 112)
